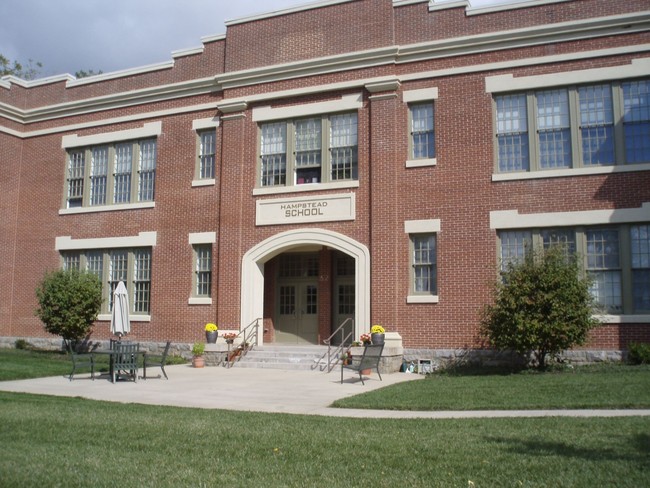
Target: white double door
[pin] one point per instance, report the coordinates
(297, 313)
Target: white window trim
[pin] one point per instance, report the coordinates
(197, 126)
(429, 226)
(559, 173)
(414, 96)
(107, 208)
(347, 103)
(194, 239)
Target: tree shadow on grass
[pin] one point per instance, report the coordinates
(639, 451)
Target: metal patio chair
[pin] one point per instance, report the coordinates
(369, 360)
(80, 360)
(157, 361)
(125, 361)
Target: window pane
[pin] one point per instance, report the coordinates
(559, 237)
(514, 245)
(147, 170)
(274, 154)
(95, 263)
(76, 169)
(554, 130)
(343, 147)
(98, 173)
(117, 272)
(636, 121)
(422, 131)
(207, 152)
(424, 263)
(123, 165)
(308, 151)
(203, 270)
(142, 281)
(71, 260)
(512, 133)
(596, 124)
(640, 243)
(603, 266)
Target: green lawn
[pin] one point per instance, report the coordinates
(56, 441)
(603, 386)
(72, 442)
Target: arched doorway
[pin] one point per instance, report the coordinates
(252, 284)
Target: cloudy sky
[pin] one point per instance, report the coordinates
(111, 35)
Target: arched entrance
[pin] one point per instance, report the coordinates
(252, 284)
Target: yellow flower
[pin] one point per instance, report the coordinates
(210, 327)
(377, 329)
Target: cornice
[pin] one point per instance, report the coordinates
(385, 56)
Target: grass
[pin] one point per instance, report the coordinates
(602, 386)
(58, 441)
(74, 442)
(21, 364)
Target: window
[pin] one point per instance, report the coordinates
(617, 259)
(131, 266)
(122, 173)
(203, 270)
(310, 150)
(207, 151)
(423, 264)
(573, 127)
(422, 131)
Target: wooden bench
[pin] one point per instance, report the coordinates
(369, 360)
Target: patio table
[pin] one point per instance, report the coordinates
(112, 353)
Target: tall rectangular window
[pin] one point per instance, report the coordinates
(76, 170)
(596, 124)
(640, 243)
(422, 131)
(98, 175)
(118, 271)
(514, 245)
(274, 154)
(207, 152)
(203, 270)
(122, 176)
(636, 121)
(142, 281)
(147, 170)
(424, 264)
(512, 133)
(553, 129)
(603, 264)
(309, 139)
(343, 147)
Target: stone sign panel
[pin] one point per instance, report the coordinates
(323, 208)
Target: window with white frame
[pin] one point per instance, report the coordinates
(616, 258)
(308, 150)
(573, 127)
(202, 270)
(131, 266)
(422, 141)
(423, 264)
(207, 140)
(111, 174)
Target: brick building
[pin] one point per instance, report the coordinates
(372, 160)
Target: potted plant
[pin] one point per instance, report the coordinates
(211, 332)
(197, 355)
(365, 339)
(377, 334)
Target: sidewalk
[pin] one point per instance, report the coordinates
(261, 390)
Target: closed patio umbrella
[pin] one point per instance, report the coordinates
(120, 323)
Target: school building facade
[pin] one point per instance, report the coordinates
(370, 160)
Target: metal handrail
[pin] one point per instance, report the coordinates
(334, 357)
(247, 334)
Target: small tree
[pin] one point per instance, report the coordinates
(543, 306)
(69, 302)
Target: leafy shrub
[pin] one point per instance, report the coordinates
(22, 344)
(638, 353)
(69, 302)
(543, 306)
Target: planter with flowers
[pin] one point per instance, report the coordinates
(211, 333)
(377, 335)
(229, 337)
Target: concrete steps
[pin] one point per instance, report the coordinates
(308, 358)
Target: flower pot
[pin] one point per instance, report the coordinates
(198, 362)
(365, 372)
(377, 339)
(230, 341)
(211, 337)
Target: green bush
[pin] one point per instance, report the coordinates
(22, 344)
(543, 306)
(69, 302)
(638, 353)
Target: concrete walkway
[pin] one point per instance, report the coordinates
(260, 390)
